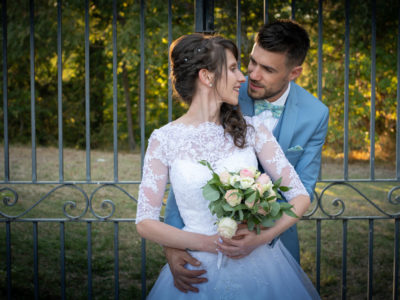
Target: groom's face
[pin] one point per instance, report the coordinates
(269, 74)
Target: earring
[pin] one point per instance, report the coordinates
(210, 84)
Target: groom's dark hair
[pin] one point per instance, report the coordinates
(285, 36)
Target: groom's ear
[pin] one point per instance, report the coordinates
(295, 72)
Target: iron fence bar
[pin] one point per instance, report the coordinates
(373, 82)
(396, 260)
(320, 41)
(89, 259)
(346, 92)
(370, 259)
(115, 90)
(32, 76)
(8, 259)
(101, 220)
(142, 84)
(266, 20)
(35, 260)
(320, 45)
(5, 92)
(87, 91)
(116, 260)
(398, 101)
(238, 30)
(382, 180)
(62, 259)
(169, 61)
(59, 90)
(318, 258)
(293, 17)
(344, 260)
(142, 131)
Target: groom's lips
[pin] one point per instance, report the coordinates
(255, 86)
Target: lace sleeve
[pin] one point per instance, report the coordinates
(154, 179)
(274, 161)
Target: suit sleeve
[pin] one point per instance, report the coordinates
(309, 164)
(172, 215)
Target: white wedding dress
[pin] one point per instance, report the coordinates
(174, 151)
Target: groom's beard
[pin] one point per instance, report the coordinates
(265, 93)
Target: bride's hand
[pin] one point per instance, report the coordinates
(242, 243)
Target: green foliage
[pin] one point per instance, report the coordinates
(156, 66)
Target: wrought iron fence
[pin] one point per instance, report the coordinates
(204, 21)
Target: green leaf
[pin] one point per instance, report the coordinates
(275, 208)
(250, 224)
(227, 207)
(284, 188)
(285, 205)
(210, 193)
(290, 213)
(252, 198)
(278, 215)
(278, 182)
(207, 164)
(241, 215)
(267, 222)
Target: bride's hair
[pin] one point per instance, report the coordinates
(191, 53)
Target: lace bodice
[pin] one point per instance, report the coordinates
(175, 150)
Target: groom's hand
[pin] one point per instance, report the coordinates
(184, 278)
(241, 244)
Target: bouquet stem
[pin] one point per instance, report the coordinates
(219, 258)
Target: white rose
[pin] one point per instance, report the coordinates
(227, 227)
(234, 179)
(271, 191)
(246, 182)
(224, 177)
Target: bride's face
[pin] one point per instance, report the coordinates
(229, 84)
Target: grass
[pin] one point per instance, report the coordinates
(76, 232)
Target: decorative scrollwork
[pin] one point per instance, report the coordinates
(337, 202)
(70, 204)
(107, 202)
(7, 200)
(396, 200)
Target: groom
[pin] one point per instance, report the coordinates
(298, 120)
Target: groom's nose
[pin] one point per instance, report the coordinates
(254, 73)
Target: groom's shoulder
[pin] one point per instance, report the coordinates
(306, 99)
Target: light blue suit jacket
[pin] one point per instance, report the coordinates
(301, 132)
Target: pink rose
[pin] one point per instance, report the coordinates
(249, 204)
(264, 179)
(233, 197)
(247, 173)
(260, 187)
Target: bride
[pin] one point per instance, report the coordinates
(205, 75)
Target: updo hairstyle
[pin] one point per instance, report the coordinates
(191, 53)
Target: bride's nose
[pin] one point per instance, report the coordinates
(241, 77)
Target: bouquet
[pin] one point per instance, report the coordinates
(246, 196)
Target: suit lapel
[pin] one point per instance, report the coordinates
(284, 130)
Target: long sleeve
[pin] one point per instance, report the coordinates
(154, 180)
(274, 162)
(308, 165)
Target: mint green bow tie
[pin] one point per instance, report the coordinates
(261, 105)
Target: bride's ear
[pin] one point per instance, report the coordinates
(206, 77)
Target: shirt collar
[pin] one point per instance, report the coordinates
(282, 99)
